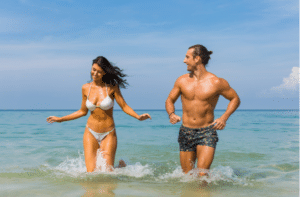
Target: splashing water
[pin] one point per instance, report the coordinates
(100, 162)
(73, 167)
(76, 168)
(216, 175)
(137, 170)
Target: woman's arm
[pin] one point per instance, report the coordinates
(128, 110)
(81, 112)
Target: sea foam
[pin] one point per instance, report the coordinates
(76, 168)
(215, 176)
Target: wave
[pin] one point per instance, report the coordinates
(75, 170)
(217, 175)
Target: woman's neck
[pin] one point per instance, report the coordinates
(98, 83)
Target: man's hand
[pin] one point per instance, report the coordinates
(174, 118)
(219, 124)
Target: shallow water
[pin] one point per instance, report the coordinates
(257, 155)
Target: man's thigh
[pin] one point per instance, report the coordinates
(205, 156)
(187, 160)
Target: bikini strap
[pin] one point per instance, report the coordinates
(89, 91)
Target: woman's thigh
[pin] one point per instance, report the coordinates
(90, 145)
(108, 147)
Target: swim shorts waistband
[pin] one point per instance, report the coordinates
(200, 128)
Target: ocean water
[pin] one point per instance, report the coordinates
(257, 155)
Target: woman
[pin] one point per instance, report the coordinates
(98, 97)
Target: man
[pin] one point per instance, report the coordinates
(199, 91)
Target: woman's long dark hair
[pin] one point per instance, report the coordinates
(114, 75)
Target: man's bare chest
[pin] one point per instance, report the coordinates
(199, 91)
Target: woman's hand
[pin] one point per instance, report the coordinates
(52, 119)
(144, 117)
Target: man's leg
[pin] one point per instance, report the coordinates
(205, 156)
(187, 160)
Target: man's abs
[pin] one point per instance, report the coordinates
(197, 115)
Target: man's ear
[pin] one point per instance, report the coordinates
(198, 59)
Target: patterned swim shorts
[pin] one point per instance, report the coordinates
(189, 138)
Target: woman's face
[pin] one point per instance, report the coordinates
(97, 72)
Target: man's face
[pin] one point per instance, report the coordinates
(190, 61)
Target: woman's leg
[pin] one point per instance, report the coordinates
(90, 145)
(108, 148)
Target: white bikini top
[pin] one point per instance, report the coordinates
(106, 104)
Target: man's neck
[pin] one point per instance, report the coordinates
(199, 73)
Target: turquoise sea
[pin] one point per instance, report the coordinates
(257, 155)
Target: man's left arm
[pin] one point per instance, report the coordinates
(234, 101)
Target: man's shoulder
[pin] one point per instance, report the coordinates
(213, 78)
(183, 77)
(216, 81)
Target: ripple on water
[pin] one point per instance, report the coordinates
(286, 167)
(241, 156)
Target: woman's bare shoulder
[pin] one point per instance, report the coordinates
(85, 87)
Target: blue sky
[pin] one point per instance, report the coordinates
(47, 48)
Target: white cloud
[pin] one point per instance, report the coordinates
(290, 83)
(288, 89)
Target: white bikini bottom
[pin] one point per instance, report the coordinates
(99, 136)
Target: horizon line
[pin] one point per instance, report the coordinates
(297, 109)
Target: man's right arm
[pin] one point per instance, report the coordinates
(172, 98)
(227, 92)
